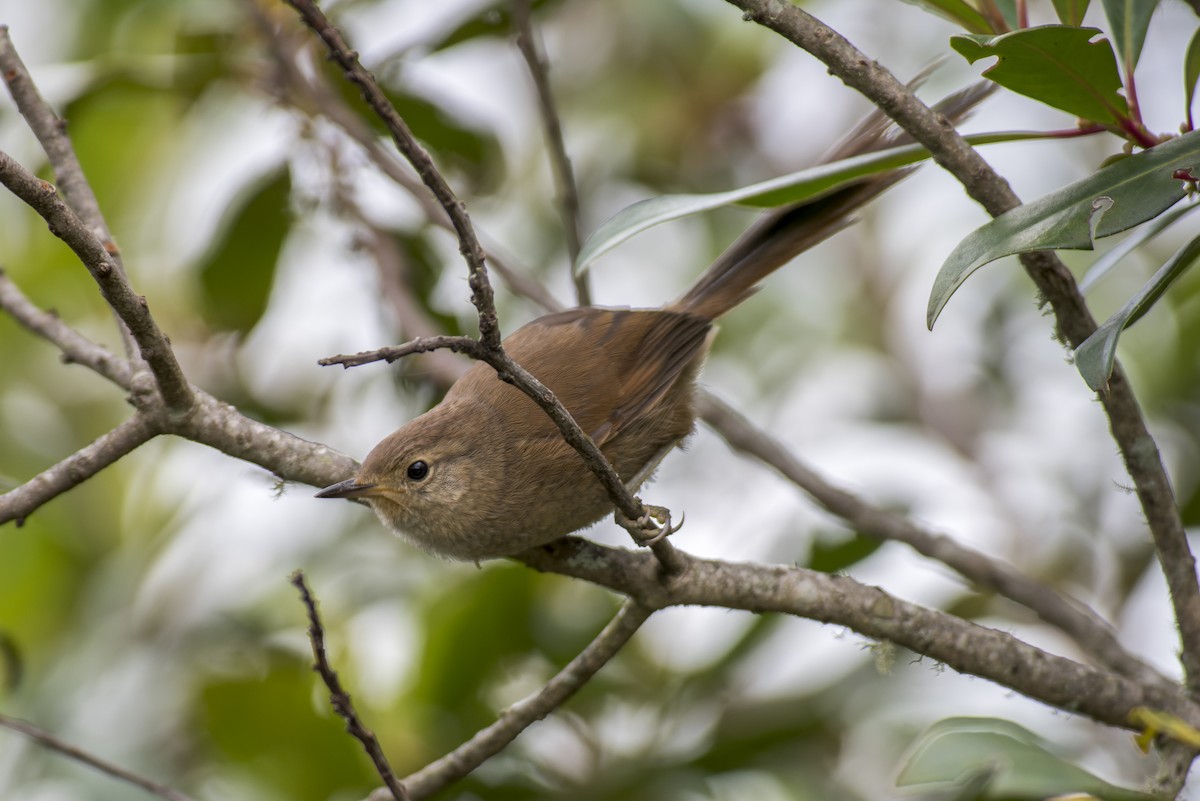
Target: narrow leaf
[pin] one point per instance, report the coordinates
(1105, 264)
(1094, 358)
(1058, 65)
(958, 11)
(1191, 75)
(798, 186)
(1129, 20)
(1139, 187)
(1071, 12)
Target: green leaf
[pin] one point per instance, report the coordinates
(492, 614)
(261, 717)
(237, 272)
(958, 11)
(454, 141)
(1129, 20)
(493, 20)
(474, 151)
(830, 557)
(1071, 12)
(999, 760)
(1115, 198)
(1094, 358)
(806, 184)
(1191, 74)
(1103, 265)
(1058, 65)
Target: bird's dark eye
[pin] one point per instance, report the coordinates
(417, 471)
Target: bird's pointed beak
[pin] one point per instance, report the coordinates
(347, 489)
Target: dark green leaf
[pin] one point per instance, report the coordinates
(476, 152)
(1056, 64)
(1191, 74)
(493, 20)
(999, 760)
(1114, 199)
(1129, 20)
(452, 141)
(803, 185)
(1071, 12)
(237, 273)
(830, 557)
(1094, 358)
(958, 11)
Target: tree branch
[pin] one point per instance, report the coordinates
(48, 740)
(218, 425)
(458, 344)
(967, 647)
(1049, 274)
(211, 422)
(130, 308)
(1173, 768)
(76, 348)
(1077, 620)
(50, 130)
(556, 148)
(490, 741)
(340, 699)
(86, 462)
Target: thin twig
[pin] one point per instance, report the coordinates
(1072, 617)
(512, 721)
(81, 465)
(48, 740)
(76, 348)
(458, 344)
(472, 251)
(1054, 281)
(393, 268)
(556, 147)
(306, 91)
(339, 698)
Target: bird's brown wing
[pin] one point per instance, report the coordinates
(607, 366)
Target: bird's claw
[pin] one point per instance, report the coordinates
(654, 526)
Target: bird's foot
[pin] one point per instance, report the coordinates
(654, 526)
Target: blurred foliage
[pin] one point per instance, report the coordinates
(237, 274)
(183, 555)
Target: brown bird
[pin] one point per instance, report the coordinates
(486, 473)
